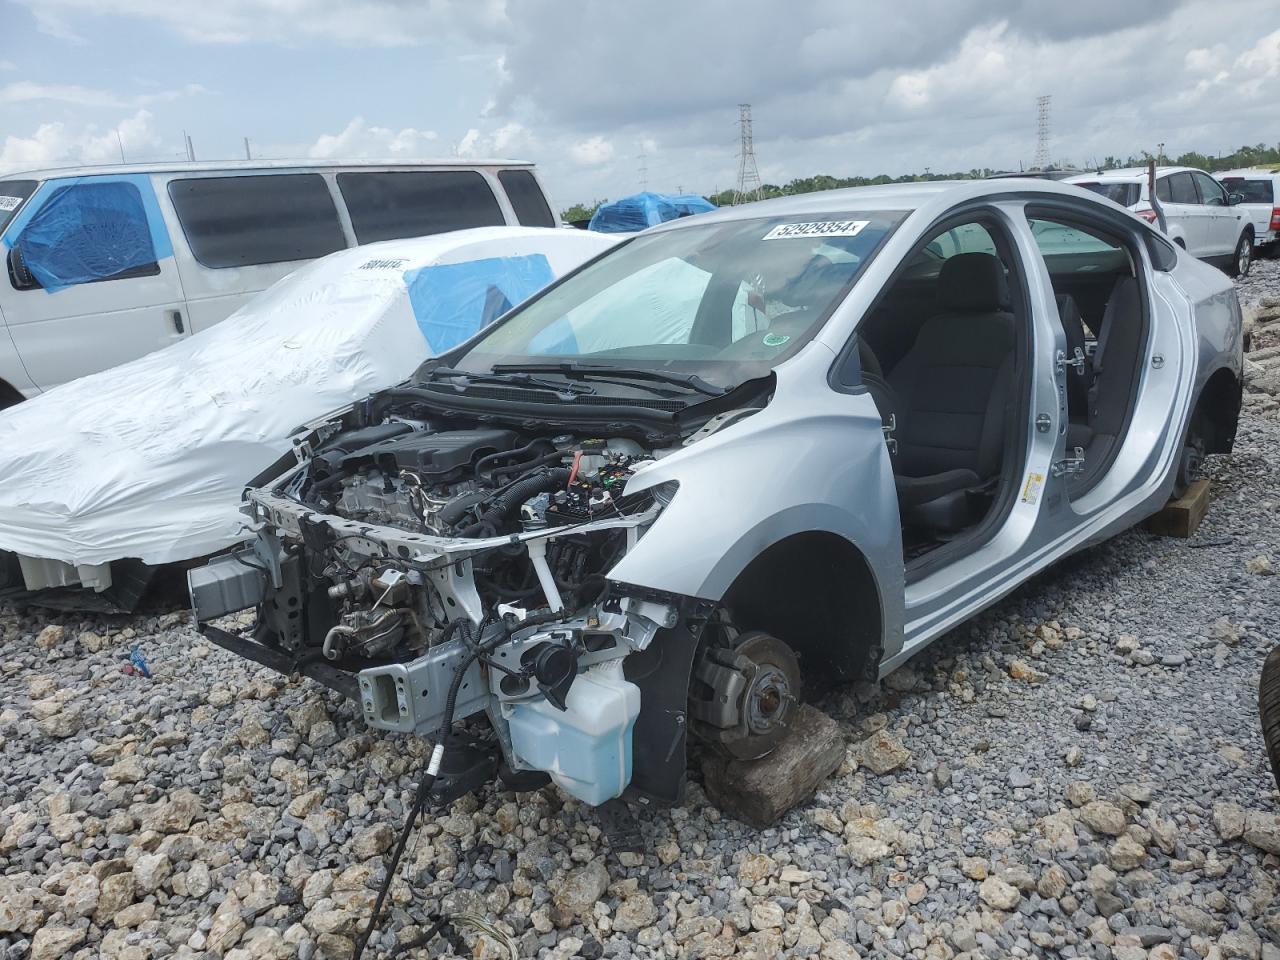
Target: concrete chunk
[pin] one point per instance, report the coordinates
(759, 792)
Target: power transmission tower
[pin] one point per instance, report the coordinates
(643, 169)
(748, 173)
(1042, 132)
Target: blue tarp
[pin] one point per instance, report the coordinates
(90, 228)
(454, 301)
(642, 210)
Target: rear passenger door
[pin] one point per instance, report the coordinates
(91, 279)
(243, 233)
(392, 204)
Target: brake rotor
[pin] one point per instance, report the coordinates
(754, 685)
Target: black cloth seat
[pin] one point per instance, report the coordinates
(952, 393)
(1079, 378)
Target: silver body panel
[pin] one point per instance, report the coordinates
(814, 459)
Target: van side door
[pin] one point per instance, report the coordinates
(91, 279)
(243, 232)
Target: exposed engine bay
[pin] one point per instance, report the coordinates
(435, 568)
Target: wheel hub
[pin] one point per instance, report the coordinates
(744, 694)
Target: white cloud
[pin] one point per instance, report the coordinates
(591, 152)
(358, 139)
(287, 22)
(26, 91)
(54, 144)
(511, 141)
(8, 65)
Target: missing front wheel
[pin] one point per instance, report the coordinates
(743, 693)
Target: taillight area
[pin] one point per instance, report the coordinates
(1275, 218)
(1148, 215)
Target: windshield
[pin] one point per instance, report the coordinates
(1253, 191)
(13, 193)
(723, 300)
(1125, 194)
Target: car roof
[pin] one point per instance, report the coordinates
(1130, 174)
(1257, 173)
(890, 196)
(249, 166)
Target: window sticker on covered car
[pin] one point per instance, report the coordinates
(816, 228)
(10, 203)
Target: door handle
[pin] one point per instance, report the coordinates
(176, 317)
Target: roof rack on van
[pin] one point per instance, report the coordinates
(206, 166)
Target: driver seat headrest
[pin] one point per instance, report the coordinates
(973, 282)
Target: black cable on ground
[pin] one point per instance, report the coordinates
(424, 790)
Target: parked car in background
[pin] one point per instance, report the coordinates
(106, 264)
(1259, 189)
(1049, 173)
(1200, 216)
(634, 510)
(126, 469)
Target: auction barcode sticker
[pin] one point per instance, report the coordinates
(816, 228)
(10, 203)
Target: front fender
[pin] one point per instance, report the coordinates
(813, 460)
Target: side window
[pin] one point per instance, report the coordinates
(1211, 191)
(526, 198)
(966, 238)
(1089, 251)
(388, 206)
(244, 221)
(1164, 192)
(84, 233)
(1182, 189)
(13, 194)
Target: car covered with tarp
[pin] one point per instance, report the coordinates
(141, 465)
(643, 210)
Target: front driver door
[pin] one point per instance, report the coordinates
(91, 281)
(1223, 220)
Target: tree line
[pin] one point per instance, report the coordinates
(1246, 156)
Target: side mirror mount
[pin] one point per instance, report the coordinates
(19, 274)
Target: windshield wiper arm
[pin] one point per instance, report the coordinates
(510, 376)
(690, 380)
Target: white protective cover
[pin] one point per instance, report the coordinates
(149, 459)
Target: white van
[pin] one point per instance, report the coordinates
(105, 264)
(1260, 188)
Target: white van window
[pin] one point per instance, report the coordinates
(526, 198)
(268, 218)
(13, 194)
(84, 233)
(392, 205)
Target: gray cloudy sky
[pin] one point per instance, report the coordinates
(583, 88)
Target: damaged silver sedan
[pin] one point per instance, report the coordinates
(732, 461)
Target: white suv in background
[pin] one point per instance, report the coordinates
(1260, 189)
(108, 263)
(1200, 216)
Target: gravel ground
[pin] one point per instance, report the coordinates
(1078, 772)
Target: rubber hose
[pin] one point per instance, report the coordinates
(510, 499)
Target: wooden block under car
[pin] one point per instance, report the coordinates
(1180, 517)
(759, 792)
